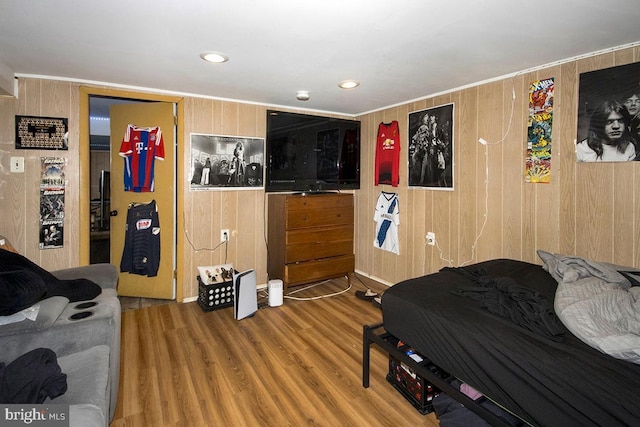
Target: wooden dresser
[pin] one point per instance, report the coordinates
(310, 237)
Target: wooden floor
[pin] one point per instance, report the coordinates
(299, 364)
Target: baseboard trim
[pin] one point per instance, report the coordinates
(377, 279)
(264, 285)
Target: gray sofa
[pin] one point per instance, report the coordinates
(85, 335)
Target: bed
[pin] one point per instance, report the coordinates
(544, 375)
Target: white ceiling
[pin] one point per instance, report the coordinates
(399, 50)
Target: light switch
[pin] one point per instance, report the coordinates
(17, 164)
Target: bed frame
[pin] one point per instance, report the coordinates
(376, 334)
(534, 369)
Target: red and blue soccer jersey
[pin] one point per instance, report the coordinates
(140, 147)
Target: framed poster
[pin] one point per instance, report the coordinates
(226, 162)
(609, 115)
(42, 133)
(431, 148)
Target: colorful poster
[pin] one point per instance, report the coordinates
(52, 188)
(538, 161)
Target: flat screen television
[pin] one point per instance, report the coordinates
(307, 153)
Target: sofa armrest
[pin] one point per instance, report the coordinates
(105, 275)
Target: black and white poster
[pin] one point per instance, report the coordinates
(431, 148)
(219, 162)
(609, 115)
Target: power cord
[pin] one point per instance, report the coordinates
(224, 242)
(486, 144)
(262, 296)
(288, 296)
(486, 204)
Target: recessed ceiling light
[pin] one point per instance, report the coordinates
(348, 84)
(215, 57)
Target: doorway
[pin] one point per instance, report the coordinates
(87, 203)
(100, 176)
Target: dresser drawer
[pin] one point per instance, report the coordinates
(319, 217)
(312, 271)
(313, 243)
(319, 234)
(321, 201)
(310, 251)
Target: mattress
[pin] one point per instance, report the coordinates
(544, 381)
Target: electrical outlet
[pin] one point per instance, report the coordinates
(431, 238)
(224, 235)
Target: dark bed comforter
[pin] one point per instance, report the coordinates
(547, 382)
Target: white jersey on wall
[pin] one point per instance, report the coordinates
(387, 218)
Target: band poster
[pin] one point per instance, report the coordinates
(538, 161)
(431, 148)
(609, 115)
(52, 188)
(226, 162)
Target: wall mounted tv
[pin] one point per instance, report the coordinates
(307, 153)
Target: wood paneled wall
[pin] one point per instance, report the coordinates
(587, 209)
(207, 212)
(20, 192)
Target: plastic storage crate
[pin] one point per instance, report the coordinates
(418, 391)
(215, 296)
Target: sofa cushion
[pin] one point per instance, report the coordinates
(20, 289)
(85, 414)
(31, 378)
(48, 312)
(87, 381)
(104, 274)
